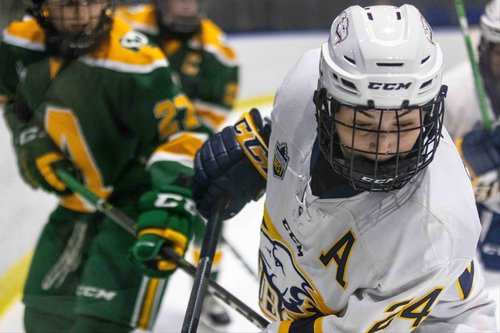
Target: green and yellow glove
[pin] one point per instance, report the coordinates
(37, 155)
(38, 158)
(167, 219)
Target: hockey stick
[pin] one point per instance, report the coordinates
(240, 258)
(128, 225)
(210, 239)
(478, 80)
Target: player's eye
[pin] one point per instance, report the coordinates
(362, 125)
(408, 125)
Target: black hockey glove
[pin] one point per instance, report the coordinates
(480, 149)
(232, 163)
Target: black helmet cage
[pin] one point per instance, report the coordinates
(181, 27)
(370, 174)
(72, 45)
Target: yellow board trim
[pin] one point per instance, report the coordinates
(249, 103)
(14, 277)
(12, 282)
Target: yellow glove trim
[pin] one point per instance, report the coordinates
(44, 165)
(165, 265)
(458, 144)
(253, 145)
(175, 237)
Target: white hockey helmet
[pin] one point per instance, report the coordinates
(382, 58)
(381, 55)
(490, 22)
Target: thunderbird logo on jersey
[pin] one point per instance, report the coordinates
(284, 291)
(280, 161)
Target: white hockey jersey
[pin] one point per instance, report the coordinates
(462, 110)
(462, 114)
(373, 262)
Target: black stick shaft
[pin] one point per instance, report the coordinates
(212, 233)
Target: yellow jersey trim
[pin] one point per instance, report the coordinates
(26, 34)
(126, 51)
(140, 17)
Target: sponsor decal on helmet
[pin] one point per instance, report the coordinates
(341, 31)
(427, 30)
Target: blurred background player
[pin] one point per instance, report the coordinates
(95, 99)
(362, 230)
(480, 148)
(206, 68)
(204, 64)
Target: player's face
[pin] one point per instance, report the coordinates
(175, 9)
(378, 134)
(495, 60)
(75, 16)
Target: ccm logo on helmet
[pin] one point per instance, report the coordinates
(388, 86)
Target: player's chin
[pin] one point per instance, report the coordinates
(383, 158)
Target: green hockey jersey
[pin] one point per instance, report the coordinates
(111, 111)
(205, 65)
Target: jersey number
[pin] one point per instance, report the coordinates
(340, 253)
(63, 128)
(191, 64)
(416, 311)
(175, 116)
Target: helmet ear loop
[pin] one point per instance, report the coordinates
(431, 124)
(322, 110)
(353, 142)
(333, 109)
(326, 107)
